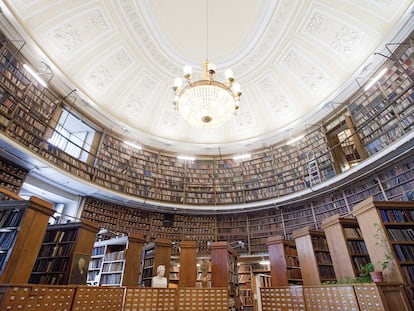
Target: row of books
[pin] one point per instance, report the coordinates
(395, 215)
(10, 218)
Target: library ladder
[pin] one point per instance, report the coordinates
(313, 169)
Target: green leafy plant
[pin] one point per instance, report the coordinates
(381, 240)
(364, 270)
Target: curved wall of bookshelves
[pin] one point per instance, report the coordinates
(364, 126)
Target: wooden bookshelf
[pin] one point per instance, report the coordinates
(12, 178)
(224, 270)
(387, 229)
(346, 245)
(62, 247)
(284, 262)
(155, 254)
(246, 283)
(22, 226)
(314, 257)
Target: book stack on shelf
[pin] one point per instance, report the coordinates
(261, 226)
(202, 229)
(11, 178)
(245, 285)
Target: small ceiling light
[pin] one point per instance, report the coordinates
(133, 145)
(45, 70)
(375, 79)
(242, 157)
(293, 140)
(186, 158)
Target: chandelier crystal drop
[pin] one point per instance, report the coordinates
(206, 103)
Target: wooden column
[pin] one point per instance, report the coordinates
(162, 255)
(132, 259)
(278, 267)
(335, 237)
(188, 264)
(28, 242)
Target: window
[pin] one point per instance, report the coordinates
(73, 136)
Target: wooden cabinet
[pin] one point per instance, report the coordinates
(22, 227)
(314, 257)
(63, 247)
(155, 254)
(284, 262)
(388, 231)
(346, 245)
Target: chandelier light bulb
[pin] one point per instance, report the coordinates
(229, 75)
(188, 72)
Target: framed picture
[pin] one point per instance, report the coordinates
(79, 269)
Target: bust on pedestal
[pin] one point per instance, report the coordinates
(159, 281)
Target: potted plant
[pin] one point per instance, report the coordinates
(365, 273)
(381, 241)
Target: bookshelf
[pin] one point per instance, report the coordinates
(344, 141)
(261, 225)
(106, 267)
(284, 262)
(346, 244)
(314, 257)
(62, 246)
(224, 272)
(12, 178)
(387, 229)
(22, 226)
(155, 254)
(245, 285)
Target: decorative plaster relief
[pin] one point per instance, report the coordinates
(100, 77)
(313, 79)
(66, 38)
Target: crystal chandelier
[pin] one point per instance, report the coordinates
(206, 103)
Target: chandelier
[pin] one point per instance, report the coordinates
(206, 103)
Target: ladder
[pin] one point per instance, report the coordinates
(313, 169)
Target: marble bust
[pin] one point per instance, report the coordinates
(159, 281)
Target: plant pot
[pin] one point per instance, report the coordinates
(377, 276)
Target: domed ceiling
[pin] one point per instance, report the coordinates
(291, 57)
